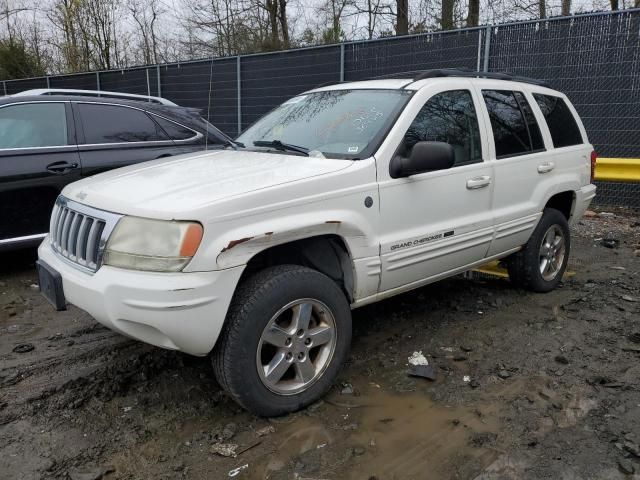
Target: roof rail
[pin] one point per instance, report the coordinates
(416, 75)
(94, 93)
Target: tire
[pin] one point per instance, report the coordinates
(526, 266)
(282, 298)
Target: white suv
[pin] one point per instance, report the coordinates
(340, 197)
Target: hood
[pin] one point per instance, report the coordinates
(189, 182)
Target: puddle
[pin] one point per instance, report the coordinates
(388, 436)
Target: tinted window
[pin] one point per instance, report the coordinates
(562, 126)
(33, 125)
(534, 130)
(175, 131)
(448, 117)
(113, 124)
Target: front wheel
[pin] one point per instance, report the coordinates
(286, 335)
(541, 263)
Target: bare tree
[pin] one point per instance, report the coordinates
(542, 8)
(566, 8)
(446, 18)
(614, 4)
(145, 14)
(402, 17)
(473, 15)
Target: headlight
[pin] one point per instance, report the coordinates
(152, 245)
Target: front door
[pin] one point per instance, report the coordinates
(436, 222)
(38, 157)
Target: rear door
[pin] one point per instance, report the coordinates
(114, 135)
(519, 152)
(38, 157)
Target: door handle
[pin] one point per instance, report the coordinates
(60, 168)
(478, 182)
(546, 167)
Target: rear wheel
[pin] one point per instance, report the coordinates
(540, 265)
(286, 335)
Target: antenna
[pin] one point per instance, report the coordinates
(206, 137)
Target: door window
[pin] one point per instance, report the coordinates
(448, 117)
(115, 124)
(562, 125)
(33, 125)
(515, 130)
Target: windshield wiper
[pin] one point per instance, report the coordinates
(283, 147)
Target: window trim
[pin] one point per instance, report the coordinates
(196, 135)
(170, 141)
(480, 133)
(524, 118)
(70, 127)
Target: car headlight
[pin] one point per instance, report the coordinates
(152, 245)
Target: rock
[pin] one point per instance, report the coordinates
(607, 214)
(474, 383)
(562, 359)
(629, 298)
(23, 348)
(347, 389)
(590, 214)
(626, 466)
(634, 337)
(610, 242)
(503, 374)
(632, 448)
(261, 432)
(460, 358)
(228, 432)
(466, 348)
(89, 473)
(357, 451)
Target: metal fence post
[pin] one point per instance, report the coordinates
(239, 87)
(479, 49)
(48, 82)
(98, 81)
(4, 86)
(487, 48)
(342, 62)
(159, 82)
(148, 84)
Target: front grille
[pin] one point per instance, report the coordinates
(79, 233)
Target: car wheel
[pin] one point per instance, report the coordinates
(286, 335)
(540, 265)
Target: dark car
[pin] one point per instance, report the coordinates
(49, 141)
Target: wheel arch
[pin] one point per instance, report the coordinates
(564, 202)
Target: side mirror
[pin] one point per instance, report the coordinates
(425, 157)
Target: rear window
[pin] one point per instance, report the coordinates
(115, 124)
(515, 131)
(562, 125)
(175, 131)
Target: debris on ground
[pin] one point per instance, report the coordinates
(419, 366)
(224, 449)
(610, 242)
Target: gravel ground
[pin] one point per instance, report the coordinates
(528, 386)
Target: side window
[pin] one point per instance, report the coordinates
(515, 130)
(175, 131)
(115, 124)
(33, 125)
(448, 117)
(562, 125)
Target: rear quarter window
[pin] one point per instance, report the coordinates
(561, 122)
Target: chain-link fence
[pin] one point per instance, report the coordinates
(594, 59)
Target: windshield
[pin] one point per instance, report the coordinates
(337, 123)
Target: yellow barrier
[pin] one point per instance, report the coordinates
(618, 169)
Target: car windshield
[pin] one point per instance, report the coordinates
(346, 124)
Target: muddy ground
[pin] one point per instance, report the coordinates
(553, 387)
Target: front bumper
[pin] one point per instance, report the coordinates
(178, 311)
